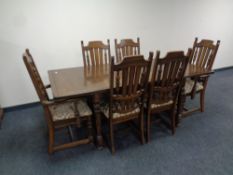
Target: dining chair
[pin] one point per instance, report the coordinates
(128, 84)
(96, 53)
(202, 56)
(164, 88)
(126, 47)
(63, 113)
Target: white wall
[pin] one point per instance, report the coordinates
(52, 30)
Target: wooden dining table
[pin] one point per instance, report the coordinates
(94, 82)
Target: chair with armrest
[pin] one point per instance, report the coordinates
(62, 113)
(202, 57)
(126, 47)
(128, 84)
(165, 86)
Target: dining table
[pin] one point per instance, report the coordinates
(94, 82)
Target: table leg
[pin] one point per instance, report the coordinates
(99, 136)
(180, 106)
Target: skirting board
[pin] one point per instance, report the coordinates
(20, 107)
(223, 68)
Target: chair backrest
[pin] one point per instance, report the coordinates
(35, 76)
(96, 53)
(167, 75)
(128, 82)
(126, 47)
(204, 53)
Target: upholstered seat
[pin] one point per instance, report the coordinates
(83, 108)
(62, 111)
(105, 111)
(189, 86)
(66, 110)
(158, 105)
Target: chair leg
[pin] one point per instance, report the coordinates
(141, 123)
(148, 126)
(111, 135)
(202, 100)
(89, 127)
(173, 121)
(51, 140)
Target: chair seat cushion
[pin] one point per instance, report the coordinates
(105, 110)
(83, 108)
(189, 86)
(158, 105)
(66, 110)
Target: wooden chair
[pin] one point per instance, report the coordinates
(203, 55)
(165, 85)
(128, 82)
(126, 47)
(59, 114)
(96, 53)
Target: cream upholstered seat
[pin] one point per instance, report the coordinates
(157, 105)
(66, 110)
(105, 111)
(189, 86)
(62, 111)
(83, 108)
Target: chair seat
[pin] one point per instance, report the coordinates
(158, 105)
(105, 111)
(83, 108)
(66, 110)
(189, 86)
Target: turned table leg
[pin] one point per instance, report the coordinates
(99, 137)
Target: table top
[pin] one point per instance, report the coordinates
(80, 81)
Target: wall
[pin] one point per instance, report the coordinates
(52, 30)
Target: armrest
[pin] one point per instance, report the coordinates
(47, 103)
(56, 102)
